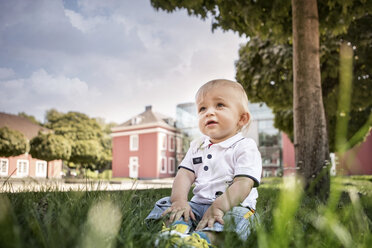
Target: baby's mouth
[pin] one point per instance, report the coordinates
(211, 122)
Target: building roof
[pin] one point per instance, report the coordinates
(148, 117)
(21, 124)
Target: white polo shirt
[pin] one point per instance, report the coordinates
(215, 166)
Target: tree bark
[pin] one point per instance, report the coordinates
(310, 132)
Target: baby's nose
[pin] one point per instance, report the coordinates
(210, 111)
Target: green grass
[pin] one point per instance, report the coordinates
(116, 219)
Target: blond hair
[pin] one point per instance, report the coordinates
(238, 88)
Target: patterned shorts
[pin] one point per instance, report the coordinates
(239, 219)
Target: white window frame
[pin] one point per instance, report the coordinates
(136, 120)
(20, 172)
(172, 165)
(163, 169)
(133, 145)
(5, 162)
(163, 141)
(41, 169)
(171, 143)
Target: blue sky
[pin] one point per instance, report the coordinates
(106, 59)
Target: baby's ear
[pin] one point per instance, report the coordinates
(244, 119)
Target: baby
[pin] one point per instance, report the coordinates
(224, 166)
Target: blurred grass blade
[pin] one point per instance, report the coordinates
(362, 134)
(284, 214)
(9, 231)
(344, 99)
(102, 226)
(329, 224)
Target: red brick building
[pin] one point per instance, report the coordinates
(356, 161)
(146, 146)
(24, 165)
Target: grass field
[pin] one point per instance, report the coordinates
(116, 219)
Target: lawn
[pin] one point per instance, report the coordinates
(116, 219)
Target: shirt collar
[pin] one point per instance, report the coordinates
(224, 144)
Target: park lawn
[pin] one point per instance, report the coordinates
(116, 219)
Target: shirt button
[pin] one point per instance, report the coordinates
(205, 168)
(209, 156)
(218, 193)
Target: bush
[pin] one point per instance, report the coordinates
(105, 175)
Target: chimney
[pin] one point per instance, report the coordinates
(148, 108)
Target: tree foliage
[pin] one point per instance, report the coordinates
(86, 151)
(265, 62)
(265, 70)
(50, 147)
(268, 19)
(12, 142)
(106, 142)
(73, 125)
(90, 144)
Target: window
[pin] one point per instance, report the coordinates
(133, 142)
(268, 139)
(270, 155)
(22, 168)
(163, 164)
(41, 169)
(171, 143)
(171, 162)
(163, 141)
(4, 164)
(136, 120)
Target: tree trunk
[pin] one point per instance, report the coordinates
(310, 132)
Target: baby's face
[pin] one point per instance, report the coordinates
(219, 113)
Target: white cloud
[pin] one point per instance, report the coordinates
(6, 73)
(47, 91)
(106, 58)
(45, 84)
(12, 85)
(78, 21)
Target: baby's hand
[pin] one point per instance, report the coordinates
(179, 209)
(212, 215)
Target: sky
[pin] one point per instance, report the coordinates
(107, 59)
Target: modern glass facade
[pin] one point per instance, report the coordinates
(269, 139)
(187, 120)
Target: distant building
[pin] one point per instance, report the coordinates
(267, 137)
(277, 150)
(289, 167)
(146, 146)
(358, 160)
(24, 165)
(187, 120)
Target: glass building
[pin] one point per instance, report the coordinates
(187, 120)
(267, 137)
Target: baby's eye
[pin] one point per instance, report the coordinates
(201, 109)
(220, 105)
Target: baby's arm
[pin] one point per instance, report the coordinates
(180, 190)
(233, 196)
